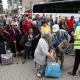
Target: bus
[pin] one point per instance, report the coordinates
(58, 8)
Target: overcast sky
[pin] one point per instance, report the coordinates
(4, 2)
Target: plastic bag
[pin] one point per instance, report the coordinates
(53, 70)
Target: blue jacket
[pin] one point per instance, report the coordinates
(77, 24)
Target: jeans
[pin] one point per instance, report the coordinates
(27, 52)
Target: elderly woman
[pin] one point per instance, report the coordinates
(15, 37)
(7, 27)
(62, 23)
(41, 54)
(45, 28)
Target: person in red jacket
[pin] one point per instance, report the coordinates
(26, 25)
(70, 24)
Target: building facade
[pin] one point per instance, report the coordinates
(20, 6)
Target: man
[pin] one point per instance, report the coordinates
(1, 21)
(35, 18)
(77, 24)
(56, 20)
(70, 24)
(49, 22)
(21, 24)
(26, 25)
(39, 21)
(1, 32)
(56, 36)
(77, 52)
(4, 21)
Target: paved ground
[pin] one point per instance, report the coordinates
(27, 71)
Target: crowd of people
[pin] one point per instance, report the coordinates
(38, 36)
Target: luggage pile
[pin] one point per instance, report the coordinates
(5, 59)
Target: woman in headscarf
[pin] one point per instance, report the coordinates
(15, 37)
(41, 54)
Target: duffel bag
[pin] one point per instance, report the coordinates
(53, 70)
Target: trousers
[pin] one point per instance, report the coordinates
(76, 62)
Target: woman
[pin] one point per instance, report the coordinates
(36, 32)
(62, 23)
(15, 20)
(45, 28)
(77, 52)
(41, 54)
(15, 37)
(28, 39)
(7, 27)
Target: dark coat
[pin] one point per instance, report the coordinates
(36, 31)
(1, 36)
(12, 37)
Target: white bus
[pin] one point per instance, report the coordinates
(58, 8)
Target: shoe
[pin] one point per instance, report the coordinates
(72, 74)
(20, 54)
(29, 58)
(23, 61)
(39, 75)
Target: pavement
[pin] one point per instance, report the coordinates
(27, 71)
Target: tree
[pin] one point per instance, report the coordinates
(1, 1)
(55, 0)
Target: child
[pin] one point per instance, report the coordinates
(28, 38)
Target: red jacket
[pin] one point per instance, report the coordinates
(26, 26)
(70, 24)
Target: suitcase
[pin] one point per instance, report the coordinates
(6, 59)
(2, 48)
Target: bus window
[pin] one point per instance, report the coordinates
(78, 7)
(54, 10)
(59, 7)
(47, 10)
(68, 7)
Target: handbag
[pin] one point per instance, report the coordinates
(21, 42)
(59, 44)
(28, 44)
(61, 47)
(53, 70)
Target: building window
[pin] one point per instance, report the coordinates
(20, 2)
(31, 3)
(15, 1)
